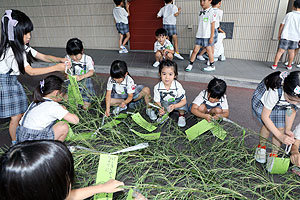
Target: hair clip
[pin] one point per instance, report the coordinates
(10, 25)
(42, 84)
(297, 90)
(283, 75)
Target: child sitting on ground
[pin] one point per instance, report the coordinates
(163, 48)
(121, 17)
(212, 102)
(169, 13)
(121, 90)
(39, 121)
(82, 68)
(169, 93)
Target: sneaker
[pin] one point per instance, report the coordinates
(181, 121)
(189, 68)
(209, 68)
(177, 55)
(298, 66)
(123, 51)
(156, 64)
(162, 119)
(274, 67)
(118, 109)
(223, 58)
(286, 63)
(260, 154)
(151, 114)
(200, 57)
(289, 67)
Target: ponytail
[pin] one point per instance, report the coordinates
(273, 80)
(46, 86)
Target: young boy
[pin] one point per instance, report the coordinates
(289, 35)
(169, 13)
(205, 36)
(121, 18)
(163, 48)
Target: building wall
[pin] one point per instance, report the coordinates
(55, 21)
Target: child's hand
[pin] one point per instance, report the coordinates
(171, 108)
(123, 104)
(107, 113)
(211, 40)
(295, 159)
(208, 117)
(139, 196)
(111, 186)
(287, 139)
(127, 5)
(179, 9)
(289, 132)
(62, 67)
(161, 111)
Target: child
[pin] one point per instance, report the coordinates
(274, 103)
(38, 122)
(45, 170)
(218, 48)
(163, 48)
(15, 58)
(295, 155)
(211, 103)
(82, 68)
(169, 13)
(206, 35)
(289, 35)
(169, 93)
(121, 90)
(121, 17)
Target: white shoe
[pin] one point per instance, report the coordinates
(189, 68)
(286, 63)
(223, 58)
(200, 57)
(181, 121)
(274, 67)
(151, 114)
(118, 109)
(123, 51)
(289, 67)
(209, 68)
(298, 66)
(156, 64)
(177, 55)
(260, 155)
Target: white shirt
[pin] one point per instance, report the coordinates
(120, 15)
(167, 12)
(128, 83)
(219, 16)
(10, 62)
(167, 45)
(176, 90)
(270, 99)
(204, 26)
(203, 96)
(43, 115)
(297, 132)
(291, 29)
(85, 60)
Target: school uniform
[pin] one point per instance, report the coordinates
(86, 86)
(206, 17)
(159, 47)
(121, 18)
(172, 96)
(219, 15)
(13, 99)
(202, 98)
(169, 20)
(273, 100)
(290, 35)
(38, 121)
(121, 91)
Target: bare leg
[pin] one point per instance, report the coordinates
(278, 55)
(120, 41)
(210, 54)
(158, 56)
(175, 39)
(126, 38)
(202, 52)
(194, 54)
(291, 53)
(146, 94)
(169, 56)
(264, 134)
(60, 130)
(13, 124)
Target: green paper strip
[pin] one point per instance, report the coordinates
(150, 136)
(111, 124)
(74, 92)
(142, 122)
(81, 136)
(121, 116)
(219, 132)
(107, 170)
(129, 196)
(198, 129)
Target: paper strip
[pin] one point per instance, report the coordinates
(111, 124)
(150, 136)
(74, 92)
(219, 132)
(129, 196)
(142, 122)
(198, 129)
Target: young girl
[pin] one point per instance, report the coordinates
(15, 57)
(121, 90)
(169, 93)
(211, 103)
(45, 170)
(274, 103)
(82, 68)
(39, 120)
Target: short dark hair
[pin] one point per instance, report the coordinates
(291, 82)
(215, 2)
(161, 31)
(297, 3)
(216, 88)
(118, 69)
(168, 1)
(74, 46)
(42, 169)
(273, 80)
(118, 2)
(168, 63)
